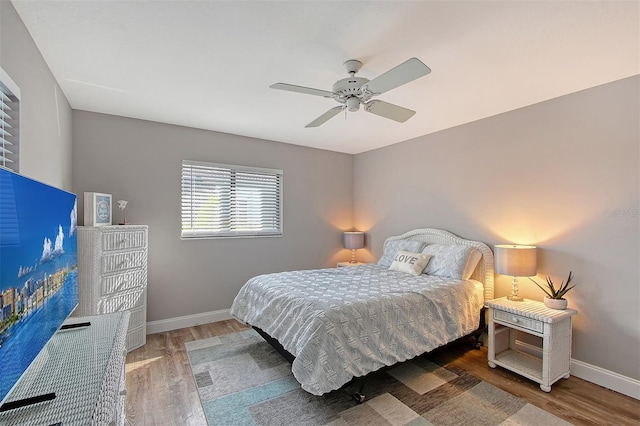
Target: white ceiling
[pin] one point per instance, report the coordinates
(209, 64)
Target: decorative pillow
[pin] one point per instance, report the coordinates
(447, 261)
(472, 262)
(391, 248)
(411, 263)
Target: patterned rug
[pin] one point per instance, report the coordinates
(242, 380)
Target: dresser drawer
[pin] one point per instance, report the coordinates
(123, 301)
(123, 281)
(124, 240)
(138, 317)
(117, 262)
(135, 338)
(518, 321)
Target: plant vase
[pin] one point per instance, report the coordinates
(559, 304)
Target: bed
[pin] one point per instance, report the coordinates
(341, 323)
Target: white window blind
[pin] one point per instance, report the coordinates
(9, 123)
(221, 200)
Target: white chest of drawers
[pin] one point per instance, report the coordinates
(112, 275)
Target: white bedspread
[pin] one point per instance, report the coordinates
(346, 322)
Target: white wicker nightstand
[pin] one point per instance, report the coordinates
(554, 326)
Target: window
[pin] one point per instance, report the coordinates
(9, 123)
(220, 200)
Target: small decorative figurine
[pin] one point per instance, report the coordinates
(122, 205)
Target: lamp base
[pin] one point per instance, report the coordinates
(514, 291)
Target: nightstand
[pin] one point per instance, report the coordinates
(531, 317)
(340, 264)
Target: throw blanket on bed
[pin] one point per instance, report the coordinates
(346, 322)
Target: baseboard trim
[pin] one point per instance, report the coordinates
(606, 378)
(529, 349)
(169, 324)
(592, 373)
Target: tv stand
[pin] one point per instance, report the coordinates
(84, 367)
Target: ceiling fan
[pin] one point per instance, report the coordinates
(353, 91)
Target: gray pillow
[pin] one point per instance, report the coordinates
(391, 248)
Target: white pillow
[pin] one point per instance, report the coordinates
(472, 262)
(411, 263)
(449, 261)
(391, 248)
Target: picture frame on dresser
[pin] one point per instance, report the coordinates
(97, 209)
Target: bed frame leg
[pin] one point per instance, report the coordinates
(477, 344)
(359, 397)
(481, 328)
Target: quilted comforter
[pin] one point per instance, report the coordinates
(346, 322)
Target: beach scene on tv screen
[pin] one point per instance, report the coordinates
(38, 270)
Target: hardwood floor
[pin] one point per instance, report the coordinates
(161, 389)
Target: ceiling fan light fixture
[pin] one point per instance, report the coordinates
(353, 104)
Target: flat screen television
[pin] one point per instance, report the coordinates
(38, 270)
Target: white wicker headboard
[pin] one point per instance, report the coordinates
(484, 270)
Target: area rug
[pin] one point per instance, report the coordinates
(242, 380)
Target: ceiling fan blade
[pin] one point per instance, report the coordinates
(301, 89)
(325, 117)
(407, 71)
(390, 111)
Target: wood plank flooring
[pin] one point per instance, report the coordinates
(161, 390)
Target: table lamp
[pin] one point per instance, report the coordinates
(517, 261)
(354, 241)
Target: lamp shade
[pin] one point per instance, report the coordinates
(517, 261)
(353, 240)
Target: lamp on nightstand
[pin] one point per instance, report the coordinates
(517, 261)
(353, 241)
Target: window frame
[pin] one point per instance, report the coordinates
(10, 90)
(232, 233)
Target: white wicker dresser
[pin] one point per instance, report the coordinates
(112, 275)
(84, 367)
(552, 325)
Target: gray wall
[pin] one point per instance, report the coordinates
(562, 175)
(140, 161)
(45, 121)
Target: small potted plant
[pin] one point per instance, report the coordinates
(555, 297)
